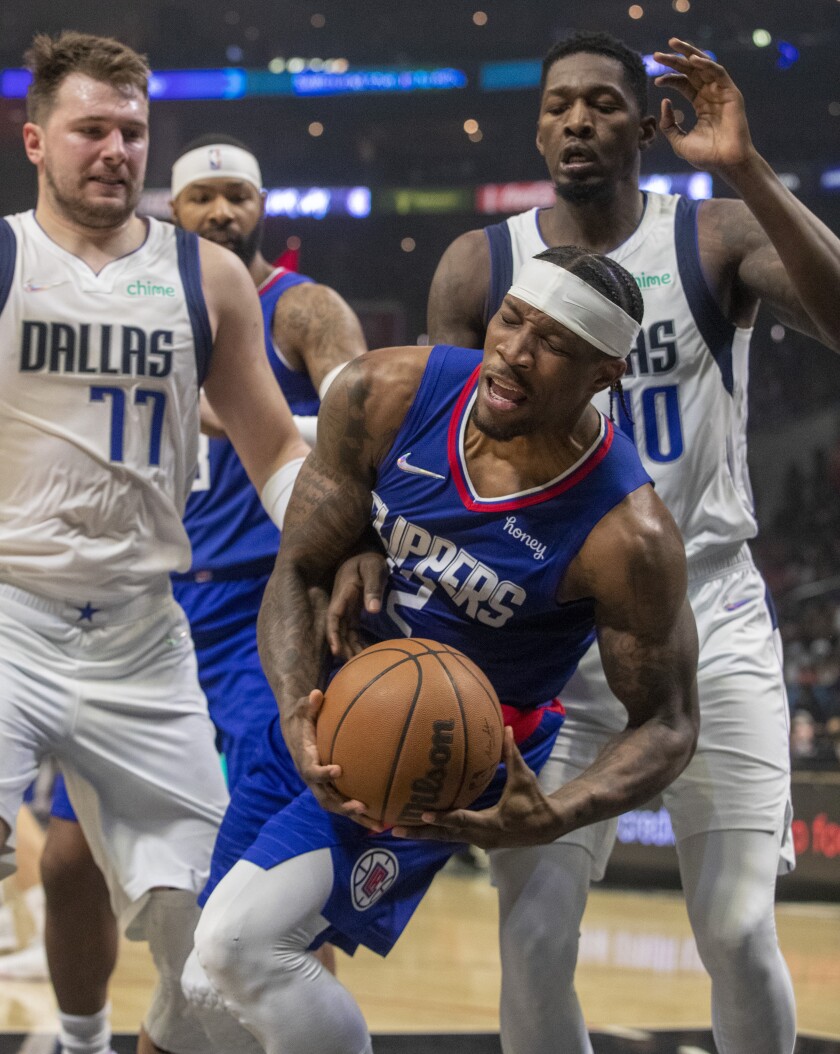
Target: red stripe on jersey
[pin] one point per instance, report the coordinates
(510, 504)
(273, 279)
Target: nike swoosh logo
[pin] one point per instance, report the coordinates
(39, 287)
(403, 465)
(735, 604)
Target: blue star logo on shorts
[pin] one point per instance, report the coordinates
(87, 612)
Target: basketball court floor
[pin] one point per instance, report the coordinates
(640, 981)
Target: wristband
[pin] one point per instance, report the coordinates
(324, 386)
(278, 489)
(308, 427)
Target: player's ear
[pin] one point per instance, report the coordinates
(609, 371)
(539, 140)
(263, 199)
(647, 131)
(33, 135)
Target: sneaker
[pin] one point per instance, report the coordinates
(29, 964)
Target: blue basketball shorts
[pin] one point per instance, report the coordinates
(378, 880)
(223, 623)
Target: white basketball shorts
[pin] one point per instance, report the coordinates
(739, 776)
(114, 696)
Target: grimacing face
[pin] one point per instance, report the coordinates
(589, 128)
(91, 151)
(226, 211)
(536, 375)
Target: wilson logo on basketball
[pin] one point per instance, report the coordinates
(425, 791)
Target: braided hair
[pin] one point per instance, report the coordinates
(611, 280)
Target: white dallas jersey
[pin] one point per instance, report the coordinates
(99, 381)
(686, 383)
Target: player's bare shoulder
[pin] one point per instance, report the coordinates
(225, 281)
(633, 562)
(459, 291)
(367, 403)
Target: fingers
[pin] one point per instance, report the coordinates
(690, 62)
(517, 767)
(357, 811)
(374, 574)
(459, 825)
(668, 121)
(341, 613)
(509, 749)
(359, 583)
(431, 832)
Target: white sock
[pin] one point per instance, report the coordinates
(33, 898)
(85, 1033)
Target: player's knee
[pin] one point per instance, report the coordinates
(196, 986)
(548, 945)
(66, 861)
(734, 944)
(239, 946)
(535, 937)
(218, 947)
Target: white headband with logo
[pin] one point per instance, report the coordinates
(216, 161)
(574, 303)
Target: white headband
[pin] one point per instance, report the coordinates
(579, 307)
(216, 161)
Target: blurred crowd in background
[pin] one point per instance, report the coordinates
(798, 550)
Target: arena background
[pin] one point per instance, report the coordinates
(385, 129)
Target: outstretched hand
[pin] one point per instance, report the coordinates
(522, 816)
(720, 137)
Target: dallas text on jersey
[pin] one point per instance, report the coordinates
(58, 347)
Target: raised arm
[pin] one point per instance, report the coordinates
(633, 564)
(459, 292)
(768, 246)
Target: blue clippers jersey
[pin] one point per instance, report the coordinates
(224, 518)
(462, 565)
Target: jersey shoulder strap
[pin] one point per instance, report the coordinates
(501, 267)
(8, 252)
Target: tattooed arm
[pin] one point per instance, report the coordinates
(633, 565)
(328, 512)
(316, 330)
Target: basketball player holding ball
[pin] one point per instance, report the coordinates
(519, 525)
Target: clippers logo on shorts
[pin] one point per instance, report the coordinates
(374, 874)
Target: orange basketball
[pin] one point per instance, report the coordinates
(415, 726)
